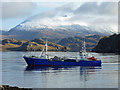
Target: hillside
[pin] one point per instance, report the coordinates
(65, 44)
(75, 43)
(29, 45)
(110, 44)
(28, 32)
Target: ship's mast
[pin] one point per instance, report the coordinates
(83, 54)
(84, 47)
(44, 50)
(46, 47)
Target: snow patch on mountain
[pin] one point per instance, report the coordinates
(60, 23)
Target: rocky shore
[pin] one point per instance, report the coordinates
(109, 44)
(7, 87)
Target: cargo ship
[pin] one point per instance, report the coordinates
(44, 60)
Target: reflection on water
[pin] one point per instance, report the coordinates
(84, 72)
(44, 68)
(16, 73)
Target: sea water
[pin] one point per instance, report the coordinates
(15, 72)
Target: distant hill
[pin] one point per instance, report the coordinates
(110, 44)
(65, 44)
(75, 43)
(29, 31)
(29, 45)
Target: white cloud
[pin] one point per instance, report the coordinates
(94, 8)
(103, 14)
(49, 4)
(17, 9)
(85, 13)
(89, 13)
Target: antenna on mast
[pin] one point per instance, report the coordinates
(46, 46)
(84, 46)
(83, 53)
(44, 50)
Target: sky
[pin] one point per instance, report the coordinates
(57, 13)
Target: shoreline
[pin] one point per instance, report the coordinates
(8, 87)
(65, 51)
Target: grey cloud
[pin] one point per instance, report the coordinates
(93, 13)
(87, 8)
(59, 11)
(48, 14)
(94, 8)
(17, 9)
(110, 8)
(102, 21)
(90, 13)
(69, 7)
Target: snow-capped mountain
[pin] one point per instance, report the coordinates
(57, 27)
(59, 23)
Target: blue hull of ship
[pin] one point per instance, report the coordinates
(46, 62)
